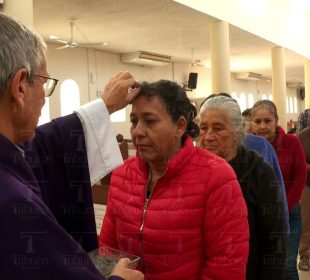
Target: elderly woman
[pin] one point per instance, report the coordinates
(293, 167)
(178, 207)
(221, 132)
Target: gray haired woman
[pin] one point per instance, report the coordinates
(221, 132)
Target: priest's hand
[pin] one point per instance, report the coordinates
(120, 91)
(121, 269)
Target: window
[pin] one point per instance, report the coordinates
(69, 97)
(264, 97)
(235, 96)
(45, 112)
(287, 106)
(291, 104)
(250, 100)
(118, 116)
(242, 101)
(295, 105)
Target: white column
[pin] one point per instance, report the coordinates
(279, 84)
(220, 60)
(20, 9)
(307, 84)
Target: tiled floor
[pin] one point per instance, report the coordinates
(304, 275)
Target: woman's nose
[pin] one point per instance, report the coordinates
(262, 125)
(208, 135)
(138, 130)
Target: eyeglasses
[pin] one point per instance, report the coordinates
(49, 85)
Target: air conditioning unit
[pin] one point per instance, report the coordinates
(145, 58)
(252, 76)
(294, 84)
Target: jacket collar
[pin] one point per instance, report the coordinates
(245, 162)
(176, 163)
(279, 137)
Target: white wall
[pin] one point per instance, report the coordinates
(67, 64)
(107, 65)
(92, 69)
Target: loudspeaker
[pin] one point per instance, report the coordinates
(301, 93)
(192, 80)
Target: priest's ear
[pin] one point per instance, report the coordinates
(19, 86)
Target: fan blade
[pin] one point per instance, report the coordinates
(71, 43)
(63, 47)
(62, 41)
(93, 44)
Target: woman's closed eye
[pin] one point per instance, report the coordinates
(133, 121)
(150, 121)
(203, 128)
(267, 121)
(217, 129)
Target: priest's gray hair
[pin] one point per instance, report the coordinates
(230, 107)
(20, 47)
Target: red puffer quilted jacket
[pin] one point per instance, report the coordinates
(193, 226)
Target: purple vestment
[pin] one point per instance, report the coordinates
(46, 206)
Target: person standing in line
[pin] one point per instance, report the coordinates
(293, 167)
(303, 120)
(304, 246)
(262, 147)
(221, 132)
(247, 116)
(178, 207)
(52, 177)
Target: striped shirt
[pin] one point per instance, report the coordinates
(303, 120)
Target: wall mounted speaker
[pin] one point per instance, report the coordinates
(301, 93)
(192, 80)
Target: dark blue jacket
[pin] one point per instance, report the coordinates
(265, 149)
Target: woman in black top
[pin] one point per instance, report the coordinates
(221, 132)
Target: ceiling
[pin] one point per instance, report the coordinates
(160, 26)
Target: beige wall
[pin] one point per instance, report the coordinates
(92, 69)
(67, 64)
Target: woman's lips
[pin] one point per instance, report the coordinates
(210, 147)
(142, 146)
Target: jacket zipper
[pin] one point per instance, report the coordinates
(146, 204)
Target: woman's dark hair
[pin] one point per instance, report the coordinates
(176, 102)
(247, 112)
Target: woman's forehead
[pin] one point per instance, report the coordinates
(214, 112)
(146, 104)
(216, 116)
(262, 111)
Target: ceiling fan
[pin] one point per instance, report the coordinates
(71, 43)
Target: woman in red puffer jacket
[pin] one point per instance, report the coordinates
(178, 207)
